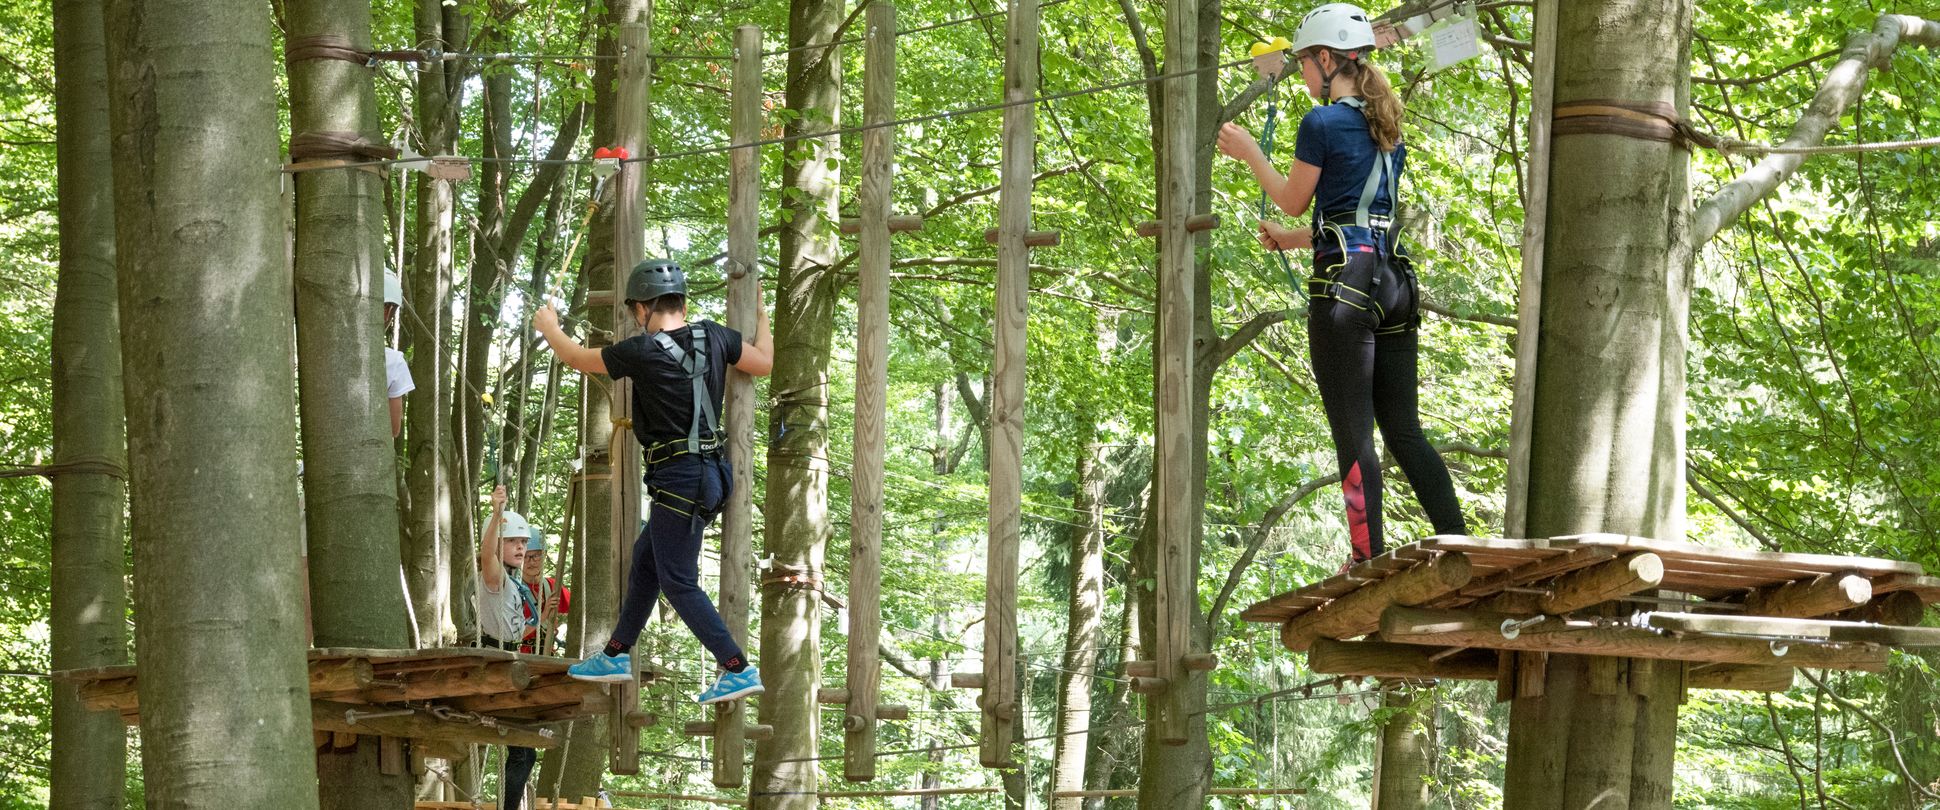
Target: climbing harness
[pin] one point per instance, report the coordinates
(1385, 174)
(694, 362)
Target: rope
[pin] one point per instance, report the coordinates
(1267, 132)
(1659, 121)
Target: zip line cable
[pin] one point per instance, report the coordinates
(801, 136)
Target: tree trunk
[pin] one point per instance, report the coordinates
(796, 509)
(577, 770)
(1085, 610)
(206, 324)
(1607, 441)
(1401, 766)
(1915, 720)
(350, 473)
(90, 602)
(489, 267)
(428, 568)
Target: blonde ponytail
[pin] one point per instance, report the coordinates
(1383, 106)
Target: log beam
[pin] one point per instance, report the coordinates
(1809, 598)
(1828, 630)
(1359, 612)
(1899, 608)
(1740, 677)
(329, 716)
(1387, 660)
(1623, 576)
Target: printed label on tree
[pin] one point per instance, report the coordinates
(1455, 41)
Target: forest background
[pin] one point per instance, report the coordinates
(1814, 390)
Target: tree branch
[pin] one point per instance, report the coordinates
(1245, 334)
(542, 183)
(1279, 511)
(1477, 317)
(1842, 87)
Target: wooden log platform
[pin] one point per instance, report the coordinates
(449, 694)
(1444, 607)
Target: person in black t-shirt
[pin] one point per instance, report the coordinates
(679, 373)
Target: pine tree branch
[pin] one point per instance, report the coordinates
(1841, 88)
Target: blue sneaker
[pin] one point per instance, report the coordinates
(604, 668)
(733, 685)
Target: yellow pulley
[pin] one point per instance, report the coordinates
(1270, 57)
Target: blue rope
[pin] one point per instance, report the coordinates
(1266, 146)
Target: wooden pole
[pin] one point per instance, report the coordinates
(744, 290)
(1529, 300)
(1176, 592)
(1000, 695)
(629, 246)
(871, 394)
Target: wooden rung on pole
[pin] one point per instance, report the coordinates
(1358, 612)
(1147, 685)
(1194, 224)
(1139, 669)
(836, 696)
(966, 680)
(900, 223)
(1809, 598)
(1031, 238)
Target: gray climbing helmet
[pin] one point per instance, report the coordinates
(653, 278)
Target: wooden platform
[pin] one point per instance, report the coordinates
(1444, 607)
(449, 694)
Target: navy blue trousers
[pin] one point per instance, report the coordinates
(687, 491)
(518, 771)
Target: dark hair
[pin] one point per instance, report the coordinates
(670, 303)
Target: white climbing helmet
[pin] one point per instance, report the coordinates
(393, 290)
(1341, 26)
(515, 528)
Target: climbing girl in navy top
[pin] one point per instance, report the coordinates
(1362, 299)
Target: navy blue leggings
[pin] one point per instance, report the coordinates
(687, 492)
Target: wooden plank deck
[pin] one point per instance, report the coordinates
(504, 685)
(1710, 573)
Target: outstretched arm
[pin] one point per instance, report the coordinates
(490, 569)
(577, 357)
(758, 355)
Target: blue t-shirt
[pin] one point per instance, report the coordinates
(1335, 138)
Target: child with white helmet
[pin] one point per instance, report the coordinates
(504, 603)
(1363, 301)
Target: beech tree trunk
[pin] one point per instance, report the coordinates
(90, 603)
(577, 768)
(206, 326)
(1607, 441)
(1401, 766)
(796, 508)
(427, 301)
(1085, 610)
(349, 463)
